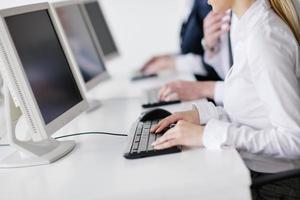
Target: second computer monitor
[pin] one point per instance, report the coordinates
(100, 25)
(83, 42)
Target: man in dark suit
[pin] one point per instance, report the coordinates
(192, 34)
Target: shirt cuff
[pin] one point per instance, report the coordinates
(219, 93)
(190, 63)
(212, 58)
(215, 134)
(207, 111)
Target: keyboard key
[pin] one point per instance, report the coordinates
(137, 138)
(143, 143)
(151, 140)
(135, 146)
(146, 131)
(157, 136)
(155, 122)
(162, 103)
(147, 124)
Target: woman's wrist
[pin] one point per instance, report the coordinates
(171, 62)
(206, 89)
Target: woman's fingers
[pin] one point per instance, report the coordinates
(169, 139)
(147, 64)
(167, 144)
(165, 91)
(212, 18)
(165, 123)
(169, 135)
(172, 97)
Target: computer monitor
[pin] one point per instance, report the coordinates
(92, 9)
(84, 45)
(43, 81)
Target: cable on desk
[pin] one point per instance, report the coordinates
(84, 133)
(91, 133)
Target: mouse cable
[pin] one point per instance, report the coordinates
(92, 133)
(83, 133)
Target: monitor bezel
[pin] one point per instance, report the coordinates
(100, 77)
(113, 55)
(44, 129)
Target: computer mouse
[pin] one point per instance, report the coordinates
(154, 114)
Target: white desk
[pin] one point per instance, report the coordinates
(96, 168)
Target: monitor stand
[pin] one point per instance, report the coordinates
(3, 139)
(29, 153)
(94, 104)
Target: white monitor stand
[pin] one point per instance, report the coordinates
(29, 153)
(94, 104)
(3, 139)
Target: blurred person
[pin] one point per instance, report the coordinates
(191, 35)
(217, 43)
(204, 52)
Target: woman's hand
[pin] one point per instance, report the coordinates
(187, 90)
(191, 116)
(214, 26)
(158, 63)
(184, 133)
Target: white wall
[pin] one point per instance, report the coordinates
(142, 28)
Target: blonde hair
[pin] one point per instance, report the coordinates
(286, 10)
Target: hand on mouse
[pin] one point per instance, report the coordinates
(191, 116)
(184, 133)
(187, 90)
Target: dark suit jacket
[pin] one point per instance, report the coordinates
(192, 34)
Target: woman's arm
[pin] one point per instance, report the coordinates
(274, 70)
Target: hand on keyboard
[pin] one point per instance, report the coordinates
(183, 133)
(141, 143)
(189, 116)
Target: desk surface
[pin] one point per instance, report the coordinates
(96, 168)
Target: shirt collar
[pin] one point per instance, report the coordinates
(251, 17)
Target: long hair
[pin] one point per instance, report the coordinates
(286, 10)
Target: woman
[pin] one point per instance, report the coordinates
(261, 114)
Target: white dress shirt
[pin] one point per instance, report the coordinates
(261, 114)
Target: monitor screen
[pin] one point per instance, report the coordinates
(44, 62)
(85, 52)
(101, 28)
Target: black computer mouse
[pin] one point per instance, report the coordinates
(154, 114)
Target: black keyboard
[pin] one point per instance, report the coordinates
(140, 144)
(153, 101)
(139, 76)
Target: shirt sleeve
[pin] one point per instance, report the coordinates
(208, 111)
(190, 63)
(273, 67)
(219, 92)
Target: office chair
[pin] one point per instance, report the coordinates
(273, 178)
